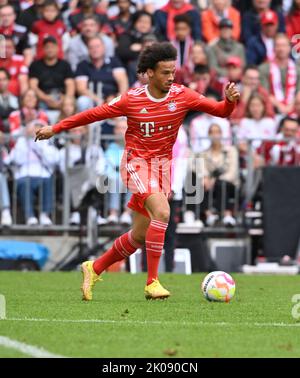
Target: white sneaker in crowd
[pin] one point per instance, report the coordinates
(229, 221)
(189, 217)
(125, 218)
(45, 220)
(32, 221)
(75, 218)
(101, 220)
(112, 218)
(6, 219)
(211, 220)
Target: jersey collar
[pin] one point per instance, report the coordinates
(153, 98)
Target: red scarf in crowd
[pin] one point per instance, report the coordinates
(186, 55)
(284, 95)
(171, 13)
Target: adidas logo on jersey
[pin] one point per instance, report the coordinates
(144, 111)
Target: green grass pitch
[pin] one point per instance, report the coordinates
(45, 310)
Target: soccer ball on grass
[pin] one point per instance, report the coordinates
(218, 286)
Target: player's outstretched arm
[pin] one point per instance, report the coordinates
(216, 108)
(115, 108)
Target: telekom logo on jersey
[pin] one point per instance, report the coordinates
(147, 128)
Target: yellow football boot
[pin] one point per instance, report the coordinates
(89, 280)
(156, 291)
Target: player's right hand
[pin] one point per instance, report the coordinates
(45, 132)
(231, 92)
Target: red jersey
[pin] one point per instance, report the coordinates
(153, 123)
(15, 66)
(20, 118)
(45, 29)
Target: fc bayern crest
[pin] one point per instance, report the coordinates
(172, 106)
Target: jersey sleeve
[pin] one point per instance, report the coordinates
(116, 108)
(198, 102)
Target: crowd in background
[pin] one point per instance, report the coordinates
(61, 57)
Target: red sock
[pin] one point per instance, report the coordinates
(155, 238)
(123, 247)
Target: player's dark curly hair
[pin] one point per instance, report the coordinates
(157, 52)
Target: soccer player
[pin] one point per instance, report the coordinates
(154, 112)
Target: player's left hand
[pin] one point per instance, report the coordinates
(231, 92)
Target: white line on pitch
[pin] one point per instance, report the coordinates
(154, 322)
(28, 349)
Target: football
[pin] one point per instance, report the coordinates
(218, 286)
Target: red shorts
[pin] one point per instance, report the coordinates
(143, 178)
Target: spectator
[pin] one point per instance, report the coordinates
(164, 19)
(198, 57)
(51, 78)
(15, 3)
(202, 81)
(261, 47)
(250, 85)
(183, 41)
(234, 69)
(86, 8)
(286, 151)
(281, 77)
(34, 165)
(78, 51)
(220, 178)
(120, 23)
(244, 5)
(256, 126)
(6, 219)
(9, 28)
(15, 65)
(198, 54)
(113, 10)
(28, 112)
(150, 5)
(113, 156)
(251, 25)
(68, 107)
(31, 14)
(99, 77)
(130, 44)
(49, 24)
(233, 72)
(8, 102)
(224, 47)
(293, 22)
(211, 20)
